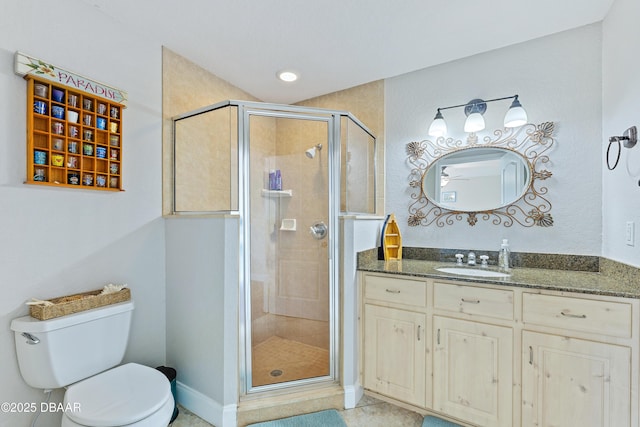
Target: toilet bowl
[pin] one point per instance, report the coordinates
(137, 396)
(82, 352)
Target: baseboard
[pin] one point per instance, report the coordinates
(352, 395)
(205, 407)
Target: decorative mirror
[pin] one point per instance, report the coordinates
(497, 179)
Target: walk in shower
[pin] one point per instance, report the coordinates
(288, 173)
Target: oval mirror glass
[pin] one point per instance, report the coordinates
(477, 179)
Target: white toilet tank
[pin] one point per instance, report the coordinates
(57, 352)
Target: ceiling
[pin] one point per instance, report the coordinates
(337, 44)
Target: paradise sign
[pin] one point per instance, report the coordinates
(25, 65)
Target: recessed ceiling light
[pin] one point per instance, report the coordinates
(287, 76)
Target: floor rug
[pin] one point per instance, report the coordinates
(329, 418)
(437, 422)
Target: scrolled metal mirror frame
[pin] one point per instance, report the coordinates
(532, 208)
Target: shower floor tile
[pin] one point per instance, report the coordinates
(277, 360)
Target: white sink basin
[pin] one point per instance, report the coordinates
(477, 272)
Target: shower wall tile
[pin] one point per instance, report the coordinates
(306, 331)
(257, 299)
(366, 102)
(302, 289)
(262, 328)
(186, 87)
(312, 332)
(203, 158)
(298, 279)
(264, 220)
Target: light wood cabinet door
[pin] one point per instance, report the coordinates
(473, 371)
(395, 353)
(571, 382)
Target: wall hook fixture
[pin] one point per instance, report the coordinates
(629, 139)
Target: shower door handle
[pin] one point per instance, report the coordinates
(318, 230)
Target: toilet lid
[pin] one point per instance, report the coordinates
(117, 397)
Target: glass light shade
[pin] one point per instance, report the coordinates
(287, 76)
(516, 116)
(438, 127)
(474, 122)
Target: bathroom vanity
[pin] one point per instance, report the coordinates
(538, 348)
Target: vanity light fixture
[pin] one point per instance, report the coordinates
(474, 110)
(516, 115)
(438, 126)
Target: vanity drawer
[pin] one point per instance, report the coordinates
(497, 303)
(585, 315)
(399, 291)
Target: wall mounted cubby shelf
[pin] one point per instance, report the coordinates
(73, 139)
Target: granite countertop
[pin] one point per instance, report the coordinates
(591, 282)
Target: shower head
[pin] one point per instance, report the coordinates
(311, 152)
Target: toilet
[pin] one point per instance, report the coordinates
(81, 352)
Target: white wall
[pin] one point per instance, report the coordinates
(620, 110)
(59, 241)
(202, 314)
(357, 234)
(558, 79)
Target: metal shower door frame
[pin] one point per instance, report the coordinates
(332, 118)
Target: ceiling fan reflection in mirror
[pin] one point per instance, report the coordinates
(445, 178)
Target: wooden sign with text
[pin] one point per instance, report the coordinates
(25, 64)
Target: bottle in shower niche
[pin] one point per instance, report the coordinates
(278, 180)
(275, 180)
(504, 256)
(272, 179)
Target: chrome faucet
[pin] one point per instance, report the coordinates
(471, 258)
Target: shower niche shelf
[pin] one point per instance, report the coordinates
(288, 224)
(277, 194)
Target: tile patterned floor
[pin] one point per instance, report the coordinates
(187, 419)
(369, 412)
(294, 360)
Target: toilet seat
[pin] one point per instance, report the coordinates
(118, 397)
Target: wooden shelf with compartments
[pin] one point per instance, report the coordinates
(73, 139)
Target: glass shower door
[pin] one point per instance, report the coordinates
(291, 294)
